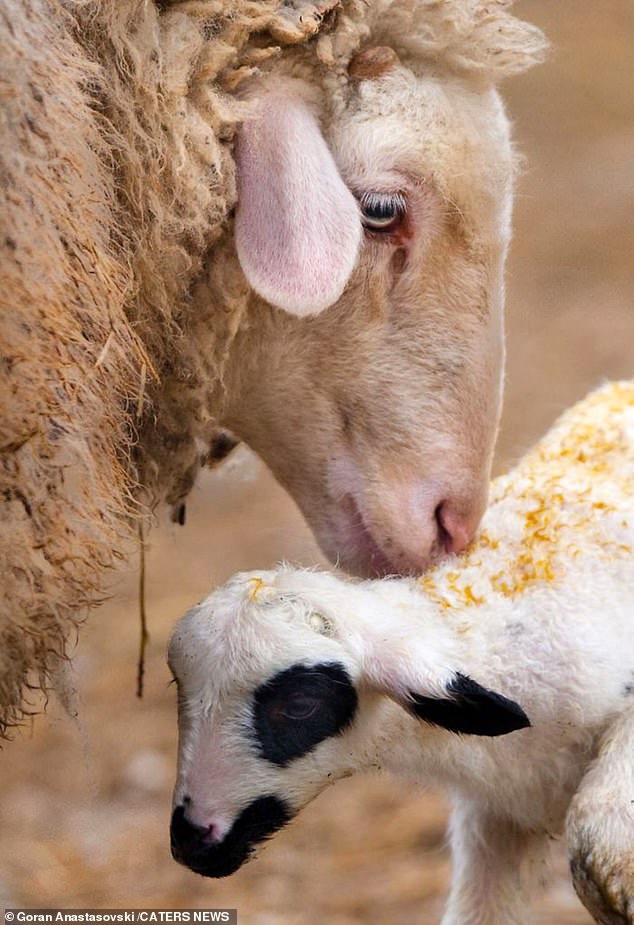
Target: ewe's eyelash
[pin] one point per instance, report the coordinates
(377, 201)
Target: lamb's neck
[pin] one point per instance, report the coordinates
(416, 752)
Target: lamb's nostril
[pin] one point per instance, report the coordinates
(188, 838)
(455, 532)
(186, 835)
(210, 836)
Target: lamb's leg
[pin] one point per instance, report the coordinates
(495, 867)
(600, 828)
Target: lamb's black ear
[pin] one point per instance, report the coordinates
(469, 708)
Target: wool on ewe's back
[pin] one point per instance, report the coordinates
(505, 675)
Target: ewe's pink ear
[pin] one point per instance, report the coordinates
(298, 226)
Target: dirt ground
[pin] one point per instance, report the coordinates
(84, 811)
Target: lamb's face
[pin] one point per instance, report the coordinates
(265, 700)
(280, 682)
(379, 411)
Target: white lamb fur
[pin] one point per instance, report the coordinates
(289, 680)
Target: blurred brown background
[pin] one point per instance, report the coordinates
(84, 811)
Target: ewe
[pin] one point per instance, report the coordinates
(347, 324)
(288, 680)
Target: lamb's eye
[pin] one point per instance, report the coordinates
(382, 212)
(299, 707)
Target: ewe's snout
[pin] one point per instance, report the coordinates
(431, 524)
(399, 528)
(197, 848)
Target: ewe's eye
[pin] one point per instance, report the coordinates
(382, 212)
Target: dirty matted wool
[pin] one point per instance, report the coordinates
(116, 177)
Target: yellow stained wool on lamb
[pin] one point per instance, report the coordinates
(258, 584)
(561, 498)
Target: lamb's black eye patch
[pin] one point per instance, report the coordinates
(300, 707)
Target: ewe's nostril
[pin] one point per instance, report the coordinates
(455, 532)
(444, 540)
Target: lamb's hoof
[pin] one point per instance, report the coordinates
(602, 865)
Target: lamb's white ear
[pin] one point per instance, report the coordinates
(298, 226)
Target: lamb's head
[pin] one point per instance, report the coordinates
(281, 682)
(372, 222)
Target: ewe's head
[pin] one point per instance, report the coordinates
(373, 220)
(280, 676)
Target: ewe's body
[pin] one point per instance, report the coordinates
(284, 679)
(135, 320)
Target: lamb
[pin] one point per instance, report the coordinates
(506, 676)
(142, 312)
